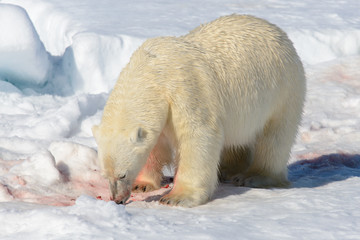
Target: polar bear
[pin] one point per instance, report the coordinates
(224, 100)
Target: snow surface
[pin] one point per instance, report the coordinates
(59, 60)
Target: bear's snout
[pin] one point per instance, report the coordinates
(119, 193)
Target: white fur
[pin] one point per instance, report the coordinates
(230, 94)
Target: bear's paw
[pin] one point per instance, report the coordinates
(144, 187)
(182, 200)
(259, 181)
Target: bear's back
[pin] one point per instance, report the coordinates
(243, 33)
(245, 39)
(248, 53)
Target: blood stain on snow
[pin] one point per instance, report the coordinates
(21, 181)
(308, 156)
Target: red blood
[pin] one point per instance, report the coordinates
(99, 197)
(167, 186)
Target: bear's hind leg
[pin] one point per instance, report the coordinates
(272, 150)
(234, 160)
(150, 176)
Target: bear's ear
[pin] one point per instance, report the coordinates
(138, 136)
(95, 131)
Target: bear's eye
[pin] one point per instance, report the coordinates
(121, 176)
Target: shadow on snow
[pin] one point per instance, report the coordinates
(323, 170)
(309, 173)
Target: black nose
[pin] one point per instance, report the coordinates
(119, 201)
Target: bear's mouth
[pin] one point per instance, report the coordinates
(120, 200)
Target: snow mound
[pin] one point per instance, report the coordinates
(39, 169)
(23, 58)
(74, 160)
(53, 176)
(93, 62)
(317, 46)
(8, 87)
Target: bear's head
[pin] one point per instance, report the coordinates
(122, 154)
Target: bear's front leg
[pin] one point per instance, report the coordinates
(149, 178)
(196, 175)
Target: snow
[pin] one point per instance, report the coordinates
(23, 58)
(59, 60)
